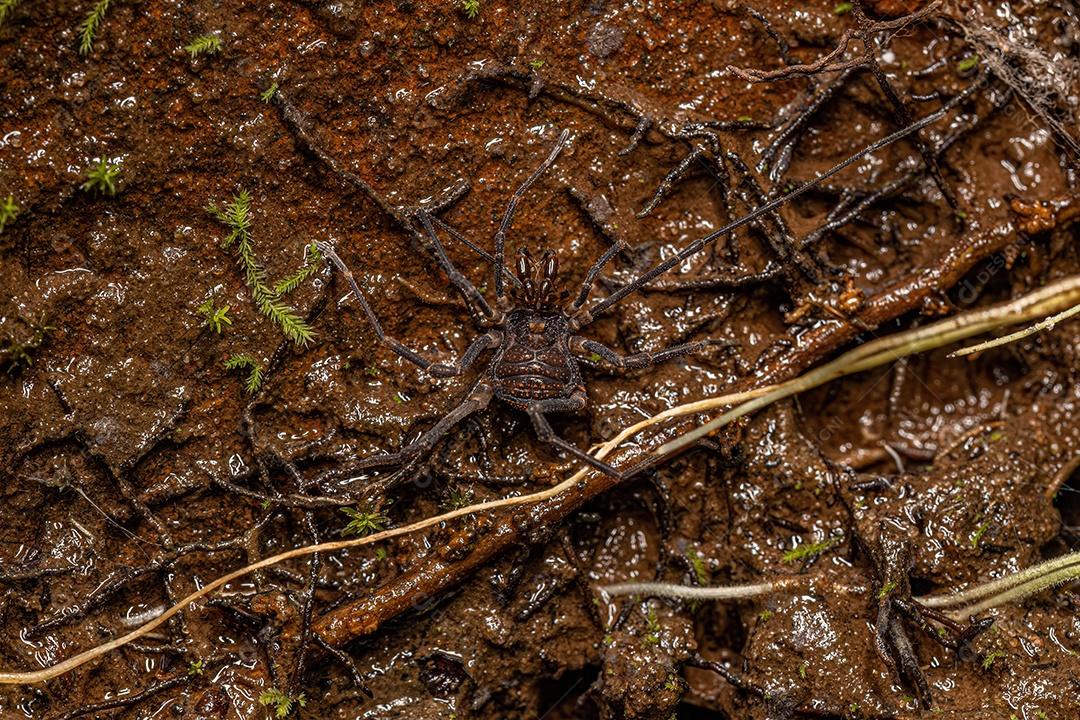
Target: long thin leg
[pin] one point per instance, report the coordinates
(478, 250)
(479, 398)
(708, 154)
(718, 280)
(511, 208)
(909, 661)
(644, 359)
(491, 339)
(735, 680)
(699, 244)
(400, 215)
(459, 281)
(776, 158)
(546, 433)
(590, 277)
(295, 121)
(896, 186)
(900, 110)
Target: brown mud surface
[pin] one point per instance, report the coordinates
(136, 467)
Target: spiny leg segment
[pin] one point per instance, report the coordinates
(459, 281)
(641, 360)
(443, 370)
(547, 434)
(478, 399)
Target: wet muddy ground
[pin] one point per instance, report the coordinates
(138, 467)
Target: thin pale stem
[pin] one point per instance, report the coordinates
(1038, 304)
(995, 593)
(688, 592)
(1047, 324)
(1010, 588)
(1041, 303)
(17, 678)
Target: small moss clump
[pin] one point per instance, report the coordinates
(102, 177)
(7, 7)
(16, 354)
(365, 521)
(214, 318)
(312, 258)
(805, 551)
(89, 27)
(235, 216)
(282, 703)
(968, 64)
(205, 45)
(255, 372)
(8, 210)
(268, 94)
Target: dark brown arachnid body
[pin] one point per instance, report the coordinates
(535, 366)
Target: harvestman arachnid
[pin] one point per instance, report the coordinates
(534, 367)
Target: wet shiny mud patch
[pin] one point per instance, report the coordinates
(161, 429)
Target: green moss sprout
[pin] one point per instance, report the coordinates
(236, 217)
(89, 27)
(282, 703)
(885, 590)
(16, 354)
(312, 258)
(365, 521)
(7, 7)
(255, 372)
(205, 45)
(268, 94)
(457, 499)
(698, 564)
(215, 318)
(804, 551)
(988, 661)
(102, 177)
(8, 210)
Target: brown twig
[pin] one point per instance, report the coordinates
(829, 63)
(825, 64)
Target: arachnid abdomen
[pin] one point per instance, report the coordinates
(534, 362)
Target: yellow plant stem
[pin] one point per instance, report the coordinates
(994, 593)
(1052, 298)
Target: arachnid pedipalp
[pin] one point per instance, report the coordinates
(534, 340)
